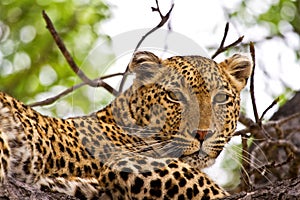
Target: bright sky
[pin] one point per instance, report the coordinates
(204, 24)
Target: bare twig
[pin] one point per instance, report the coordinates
(71, 62)
(221, 48)
(164, 19)
(252, 51)
(51, 100)
(241, 132)
(269, 107)
(284, 120)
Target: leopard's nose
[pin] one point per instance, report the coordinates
(201, 135)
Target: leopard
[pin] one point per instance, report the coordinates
(151, 142)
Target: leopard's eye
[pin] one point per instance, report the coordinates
(220, 98)
(175, 96)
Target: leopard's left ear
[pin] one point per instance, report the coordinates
(146, 66)
(239, 68)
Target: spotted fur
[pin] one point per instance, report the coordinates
(151, 142)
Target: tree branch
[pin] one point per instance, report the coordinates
(252, 51)
(51, 100)
(164, 19)
(71, 62)
(221, 48)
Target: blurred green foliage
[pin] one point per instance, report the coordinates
(30, 62)
(280, 17)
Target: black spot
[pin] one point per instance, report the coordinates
(138, 167)
(206, 191)
(122, 163)
(201, 181)
(78, 172)
(97, 174)
(77, 156)
(176, 175)
(214, 191)
(79, 194)
(29, 137)
(45, 188)
(184, 169)
(196, 191)
(94, 166)
(82, 123)
(173, 191)
(162, 173)
(71, 167)
(146, 174)
(87, 169)
(155, 183)
(37, 146)
(205, 197)
(173, 165)
(156, 188)
(50, 161)
(70, 152)
(208, 181)
(189, 193)
(188, 175)
(168, 184)
(141, 162)
(138, 184)
(181, 197)
(5, 165)
(62, 162)
(182, 182)
(124, 175)
(111, 176)
(52, 138)
(84, 141)
(6, 152)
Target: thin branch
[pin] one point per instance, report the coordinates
(246, 121)
(242, 132)
(164, 19)
(269, 107)
(252, 51)
(286, 119)
(71, 62)
(51, 100)
(221, 48)
(272, 165)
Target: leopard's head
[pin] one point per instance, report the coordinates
(185, 106)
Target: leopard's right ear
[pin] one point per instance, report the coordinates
(146, 66)
(239, 68)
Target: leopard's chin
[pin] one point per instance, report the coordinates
(199, 159)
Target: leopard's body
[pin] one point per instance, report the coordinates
(150, 143)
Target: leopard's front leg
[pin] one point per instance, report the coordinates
(141, 177)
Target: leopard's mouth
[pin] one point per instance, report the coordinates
(199, 153)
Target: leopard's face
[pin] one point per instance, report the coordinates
(186, 107)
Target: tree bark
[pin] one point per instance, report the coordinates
(286, 189)
(15, 190)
